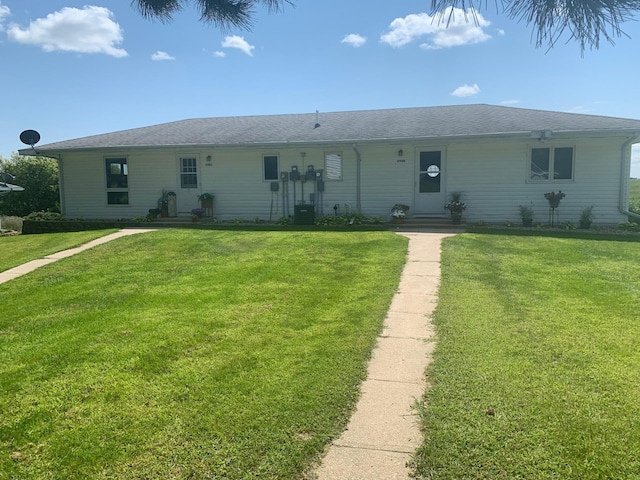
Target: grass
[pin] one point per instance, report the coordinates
(190, 354)
(535, 371)
(21, 249)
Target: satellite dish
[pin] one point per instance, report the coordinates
(30, 137)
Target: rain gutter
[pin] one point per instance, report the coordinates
(625, 166)
(358, 162)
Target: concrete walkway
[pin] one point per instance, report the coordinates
(32, 265)
(383, 432)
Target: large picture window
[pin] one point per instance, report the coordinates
(333, 166)
(189, 172)
(270, 167)
(551, 164)
(117, 176)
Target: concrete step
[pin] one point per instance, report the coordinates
(416, 223)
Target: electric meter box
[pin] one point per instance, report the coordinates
(304, 215)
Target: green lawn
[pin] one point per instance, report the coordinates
(190, 354)
(21, 249)
(535, 372)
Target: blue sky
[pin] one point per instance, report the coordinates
(74, 68)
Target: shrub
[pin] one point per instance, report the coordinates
(354, 219)
(11, 223)
(46, 216)
(629, 227)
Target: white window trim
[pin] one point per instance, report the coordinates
(326, 170)
(552, 149)
(197, 172)
(108, 189)
(264, 155)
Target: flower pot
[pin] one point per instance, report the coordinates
(585, 225)
(396, 220)
(194, 219)
(527, 223)
(456, 220)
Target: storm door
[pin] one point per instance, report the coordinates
(430, 185)
(188, 182)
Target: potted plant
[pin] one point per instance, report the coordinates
(197, 213)
(526, 214)
(153, 213)
(399, 212)
(456, 206)
(206, 202)
(586, 217)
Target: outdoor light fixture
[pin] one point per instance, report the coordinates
(208, 158)
(541, 135)
(400, 153)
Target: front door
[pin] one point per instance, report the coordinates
(188, 181)
(430, 186)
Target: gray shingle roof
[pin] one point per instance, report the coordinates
(365, 125)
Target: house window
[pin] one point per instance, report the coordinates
(557, 160)
(270, 167)
(333, 166)
(117, 176)
(188, 173)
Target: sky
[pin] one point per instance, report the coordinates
(70, 68)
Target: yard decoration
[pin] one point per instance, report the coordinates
(554, 202)
(456, 206)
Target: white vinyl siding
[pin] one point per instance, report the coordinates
(491, 174)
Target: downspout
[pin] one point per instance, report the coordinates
(61, 187)
(625, 161)
(358, 161)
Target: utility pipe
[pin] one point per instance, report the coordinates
(625, 161)
(358, 161)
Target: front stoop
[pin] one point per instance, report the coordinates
(418, 224)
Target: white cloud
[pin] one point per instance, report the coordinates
(466, 90)
(4, 13)
(510, 102)
(219, 54)
(87, 30)
(451, 28)
(160, 55)
(354, 40)
(500, 32)
(235, 41)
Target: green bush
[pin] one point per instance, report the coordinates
(354, 219)
(46, 216)
(11, 223)
(629, 227)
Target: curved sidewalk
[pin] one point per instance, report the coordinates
(384, 431)
(32, 265)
